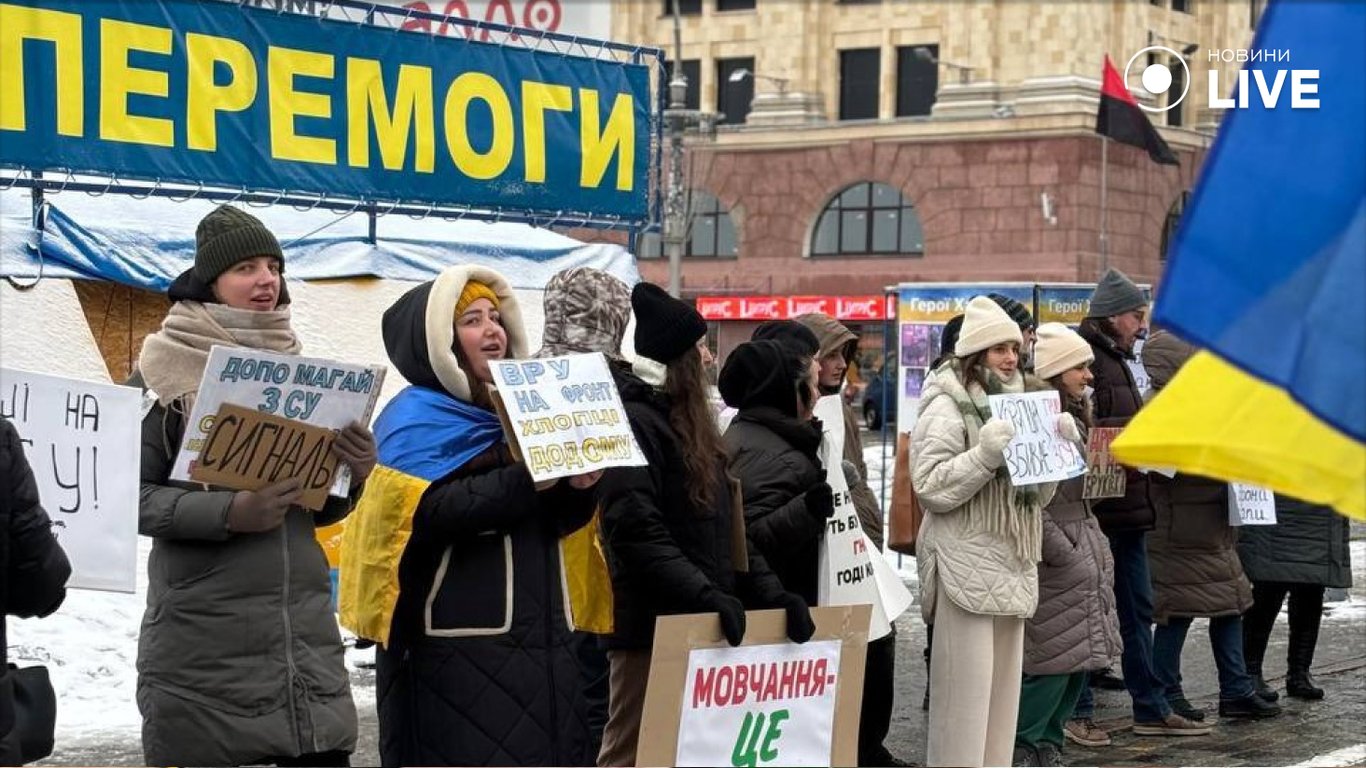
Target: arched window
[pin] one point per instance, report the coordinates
(1172, 223)
(711, 231)
(865, 219)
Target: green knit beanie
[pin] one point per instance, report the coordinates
(229, 235)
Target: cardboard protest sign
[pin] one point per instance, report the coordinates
(1105, 477)
(566, 415)
(1037, 454)
(1250, 505)
(247, 450)
(767, 702)
(318, 392)
(83, 441)
(850, 569)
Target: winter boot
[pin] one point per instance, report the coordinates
(1304, 636)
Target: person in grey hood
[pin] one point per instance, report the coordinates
(837, 347)
(587, 310)
(239, 658)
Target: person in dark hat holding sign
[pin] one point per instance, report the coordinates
(667, 528)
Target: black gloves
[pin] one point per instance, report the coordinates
(820, 501)
(800, 627)
(732, 614)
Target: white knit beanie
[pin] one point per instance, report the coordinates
(1059, 349)
(985, 325)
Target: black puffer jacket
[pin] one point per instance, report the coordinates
(1309, 544)
(774, 457)
(666, 555)
(1117, 399)
(481, 667)
(33, 567)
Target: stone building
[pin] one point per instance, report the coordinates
(865, 143)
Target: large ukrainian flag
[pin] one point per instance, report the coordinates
(1268, 274)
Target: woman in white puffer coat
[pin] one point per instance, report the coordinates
(980, 543)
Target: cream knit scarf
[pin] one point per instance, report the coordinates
(998, 508)
(173, 359)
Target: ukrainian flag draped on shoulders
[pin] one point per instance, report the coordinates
(1268, 274)
(422, 435)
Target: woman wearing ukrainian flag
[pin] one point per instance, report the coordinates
(451, 561)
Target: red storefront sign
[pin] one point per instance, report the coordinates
(858, 308)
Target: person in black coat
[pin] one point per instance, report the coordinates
(667, 527)
(33, 570)
(1307, 550)
(773, 444)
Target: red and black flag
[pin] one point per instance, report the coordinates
(1121, 119)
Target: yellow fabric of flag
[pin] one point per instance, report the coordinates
(1215, 420)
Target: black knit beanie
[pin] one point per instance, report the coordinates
(761, 374)
(1017, 311)
(790, 333)
(229, 235)
(665, 326)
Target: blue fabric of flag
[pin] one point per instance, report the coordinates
(1268, 269)
(429, 434)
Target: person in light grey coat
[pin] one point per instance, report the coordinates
(239, 659)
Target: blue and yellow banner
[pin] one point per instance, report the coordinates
(940, 302)
(236, 97)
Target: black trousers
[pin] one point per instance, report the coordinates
(1306, 612)
(334, 759)
(879, 688)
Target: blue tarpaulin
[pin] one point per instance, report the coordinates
(146, 243)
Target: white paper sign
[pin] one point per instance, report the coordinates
(1037, 454)
(759, 705)
(84, 443)
(1250, 505)
(850, 569)
(567, 415)
(325, 393)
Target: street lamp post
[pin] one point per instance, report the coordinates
(678, 122)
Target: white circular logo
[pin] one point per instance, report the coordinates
(1157, 78)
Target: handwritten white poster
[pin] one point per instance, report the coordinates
(567, 415)
(850, 570)
(83, 441)
(759, 705)
(1250, 505)
(1037, 454)
(324, 393)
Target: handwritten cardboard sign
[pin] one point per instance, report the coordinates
(247, 450)
(315, 391)
(1250, 505)
(1105, 477)
(83, 440)
(767, 702)
(1037, 454)
(566, 415)
(850, 568)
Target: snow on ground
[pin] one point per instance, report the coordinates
(880, 481)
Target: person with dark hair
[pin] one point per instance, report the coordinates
(773, 442)
(838, 345)
(979, 544)
(477, 664)
(261, 677)
(1074, 630)
(33, 573)
(667, 527)
(1115, 321)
